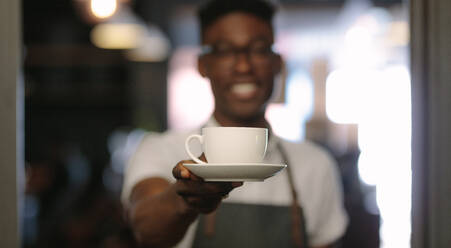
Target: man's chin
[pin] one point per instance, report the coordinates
(241, 111)
(247, 114)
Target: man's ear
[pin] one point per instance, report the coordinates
(280, 73)
(202, 66)
(278, 64)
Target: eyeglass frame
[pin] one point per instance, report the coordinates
(267, 54)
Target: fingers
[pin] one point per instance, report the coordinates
(236, 184)
(181, 172)
(190, 184)
(203, 158)
(198, 194)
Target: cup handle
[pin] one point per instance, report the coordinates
(201, 140)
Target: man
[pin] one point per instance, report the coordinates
(166, 203)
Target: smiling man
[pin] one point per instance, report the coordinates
(241, 66)
(167, 205)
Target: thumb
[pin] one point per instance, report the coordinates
(203, 158)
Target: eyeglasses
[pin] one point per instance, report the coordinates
(224, 54)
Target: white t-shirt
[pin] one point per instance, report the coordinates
(315, 177)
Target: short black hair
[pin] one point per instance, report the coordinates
(209, 12)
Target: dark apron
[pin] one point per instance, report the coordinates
(248, 225)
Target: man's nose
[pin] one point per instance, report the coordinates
(242, 62)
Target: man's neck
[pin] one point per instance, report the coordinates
(257, 121)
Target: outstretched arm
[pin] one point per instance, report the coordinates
(160, 212)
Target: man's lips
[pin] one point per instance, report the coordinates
(244, 91)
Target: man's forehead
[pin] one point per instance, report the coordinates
(238, 28)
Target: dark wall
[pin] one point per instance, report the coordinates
(76, 96)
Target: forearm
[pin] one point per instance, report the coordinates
(161, 212)
(160, 220)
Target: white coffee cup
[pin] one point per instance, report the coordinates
(230, 145)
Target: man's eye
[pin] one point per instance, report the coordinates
(260, 50)
(223, 51)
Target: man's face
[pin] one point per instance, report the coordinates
(241, 65)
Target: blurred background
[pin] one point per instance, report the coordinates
(99, 74)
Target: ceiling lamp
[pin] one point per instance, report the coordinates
(124, 30)
(103, 8)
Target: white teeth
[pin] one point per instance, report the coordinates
(244, 89)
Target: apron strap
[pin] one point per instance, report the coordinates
(297, 217)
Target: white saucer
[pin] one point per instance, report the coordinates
(238, 172)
